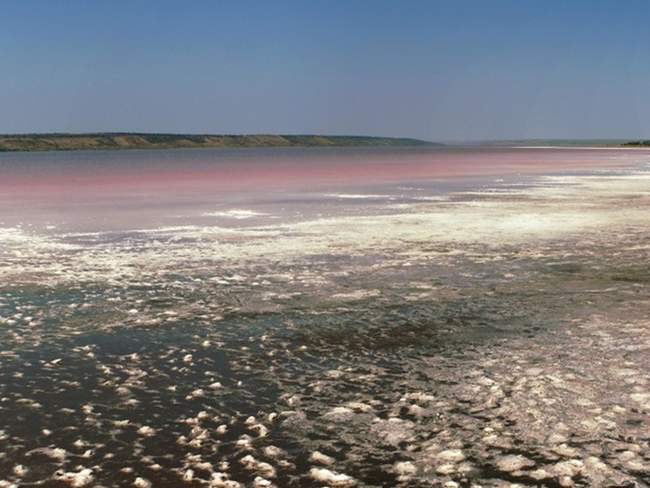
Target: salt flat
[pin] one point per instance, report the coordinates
(427, 328)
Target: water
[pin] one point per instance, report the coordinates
(220, 316)
(108, 190)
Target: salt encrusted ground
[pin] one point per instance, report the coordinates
(491, 338)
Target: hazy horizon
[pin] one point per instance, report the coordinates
(439, 71)
(335, 134)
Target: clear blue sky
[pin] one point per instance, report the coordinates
(438, 70)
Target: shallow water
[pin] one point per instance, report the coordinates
(109, 190)
(417, 317)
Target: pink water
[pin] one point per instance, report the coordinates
(130, 189)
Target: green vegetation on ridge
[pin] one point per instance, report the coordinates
(638, 143)
(129, 140)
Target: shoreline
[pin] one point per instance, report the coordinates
(129, 141)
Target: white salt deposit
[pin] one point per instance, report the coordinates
(141, 483)
(320, 458)
(78, 479)
(146, 431)
(238, 214)
(331, 477)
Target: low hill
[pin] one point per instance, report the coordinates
(644, 143)
(128, 140)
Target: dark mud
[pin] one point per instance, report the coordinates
(466, 370)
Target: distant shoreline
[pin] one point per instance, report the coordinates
(131, 140)
(592, 148)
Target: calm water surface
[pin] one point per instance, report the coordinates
(128, 190)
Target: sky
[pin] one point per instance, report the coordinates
(432, 69)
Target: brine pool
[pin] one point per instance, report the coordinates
(341, 317)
